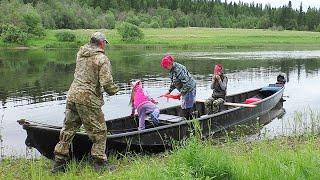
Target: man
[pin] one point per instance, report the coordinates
(181, 80)
(84, 102)
(219, 90)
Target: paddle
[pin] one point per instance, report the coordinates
(233, 104)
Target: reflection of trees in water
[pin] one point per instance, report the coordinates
(42, 75)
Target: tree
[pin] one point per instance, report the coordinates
(130, 32)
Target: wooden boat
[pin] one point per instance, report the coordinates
(123, 134)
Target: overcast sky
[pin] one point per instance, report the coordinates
(278, 3)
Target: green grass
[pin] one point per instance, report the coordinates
(191, 37)
(284, 158)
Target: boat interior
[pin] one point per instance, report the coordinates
(172, 115)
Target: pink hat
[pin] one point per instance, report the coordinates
(167, 61)
(218, 69)
(136, 83)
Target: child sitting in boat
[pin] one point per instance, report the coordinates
(144, 104)
(219, 90)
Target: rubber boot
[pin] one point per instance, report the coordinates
(100, 166)
(59, 166)
(187, 113)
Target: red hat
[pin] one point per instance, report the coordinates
(218, 69)
(167, 61)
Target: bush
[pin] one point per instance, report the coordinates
(276, 28)
(14, 34)
(5, 27)
(32, 22)
(129, 32)
(144, 25)
(65, 36)
(154, 24)
(318, 28)
(111, 20)
(170, 22)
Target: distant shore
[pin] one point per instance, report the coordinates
(185, 38)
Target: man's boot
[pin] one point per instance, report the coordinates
(59, 166)
(100, 166)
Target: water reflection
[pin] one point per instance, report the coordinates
(34, 83)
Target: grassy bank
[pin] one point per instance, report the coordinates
(285, 158)
(190, 38)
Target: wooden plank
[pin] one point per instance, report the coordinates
(240, 105)
(233, 104)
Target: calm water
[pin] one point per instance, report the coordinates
(34, 83)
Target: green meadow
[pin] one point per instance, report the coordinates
(187, 38)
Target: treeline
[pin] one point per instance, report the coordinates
(31, 16)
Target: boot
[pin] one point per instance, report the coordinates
(208, 107)
(59, 166)
(100, 166)
(187, 113)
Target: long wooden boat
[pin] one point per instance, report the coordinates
(123, 134)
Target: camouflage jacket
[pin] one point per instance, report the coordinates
(93, 71)
(181, 79)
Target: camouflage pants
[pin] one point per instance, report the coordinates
(94, 124)
(213, 105)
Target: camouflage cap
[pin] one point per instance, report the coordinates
(99, 36)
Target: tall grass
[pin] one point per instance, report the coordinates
(296, 157)
(285, 158)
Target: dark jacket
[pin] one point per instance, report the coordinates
(219, 88)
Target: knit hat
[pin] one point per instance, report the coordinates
(218, 68)
(167, 61)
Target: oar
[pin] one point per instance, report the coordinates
(233, 104)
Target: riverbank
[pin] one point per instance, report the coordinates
(188, 38)
(284, 158)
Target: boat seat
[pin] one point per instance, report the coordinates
(168, 118)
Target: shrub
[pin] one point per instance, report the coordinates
(318, 28)
(129, 32)
(276, 28)
(111, 20)
(133, 20)
(14, 34)
(32, 22)
(170, 22)
(144, 25)
(5, 27)
(154, 24)
(65, 36)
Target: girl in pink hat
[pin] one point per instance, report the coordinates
(144, 104)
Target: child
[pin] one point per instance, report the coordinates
(219, 90)
(144, 105)
(183, 81)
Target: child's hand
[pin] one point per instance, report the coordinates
(154, 101)
(133, 113)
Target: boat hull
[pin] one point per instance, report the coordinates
(125, 136)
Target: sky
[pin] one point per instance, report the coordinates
(278, 3)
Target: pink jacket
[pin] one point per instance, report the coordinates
(140, 97)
